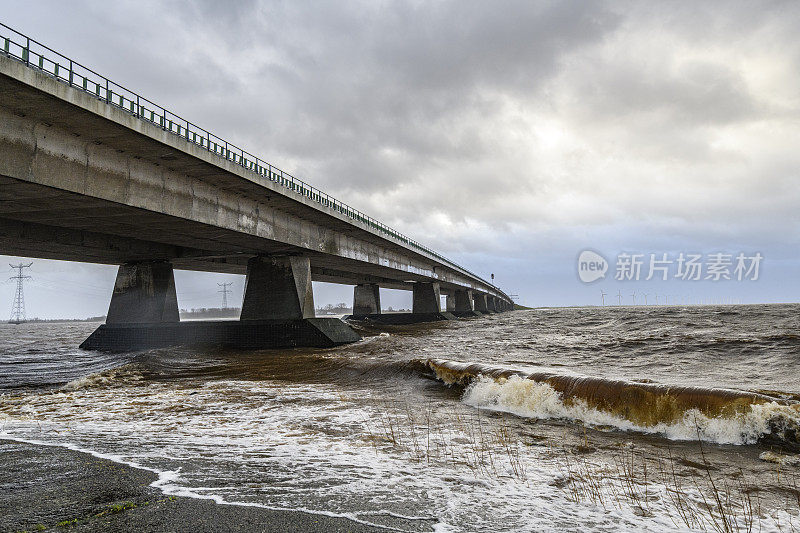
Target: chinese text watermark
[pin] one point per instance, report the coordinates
(662, 266)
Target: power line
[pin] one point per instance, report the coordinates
(18, 307)
(225, 292)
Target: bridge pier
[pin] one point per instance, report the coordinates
(426, 307)
(278, 288)
(277, 312)
(463, 305)
(481, 303)
(427, 298)
(426, 303)
(366, 299)
(144, 293)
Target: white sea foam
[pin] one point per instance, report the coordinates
(532, 399)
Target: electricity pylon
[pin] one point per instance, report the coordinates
(225, 292)
(18, 308)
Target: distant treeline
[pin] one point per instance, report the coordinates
(212, 312)
(338, 309)
(218, 312)
(344, 309)
(234, 312)
(88, 319)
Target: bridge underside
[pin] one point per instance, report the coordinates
(44, 222)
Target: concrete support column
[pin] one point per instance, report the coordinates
(278, 288)
(491, 303)
(427, 298)
(144, 293)
(278, 311)
(366, 299)
(450, 303)
(481, 303)
(463, 301)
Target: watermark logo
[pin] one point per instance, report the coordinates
(591, 266)
(662, 266)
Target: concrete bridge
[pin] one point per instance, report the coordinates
(93, 172)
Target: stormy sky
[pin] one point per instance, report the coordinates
(509, 136)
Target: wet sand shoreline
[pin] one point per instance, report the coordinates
(50, 487)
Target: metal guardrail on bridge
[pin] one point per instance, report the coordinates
(36, 55)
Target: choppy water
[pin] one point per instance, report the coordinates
(374, 432)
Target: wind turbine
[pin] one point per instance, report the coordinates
(619, 296)
(633, 297)
(602, 298)
(656, 299)
(645, 298)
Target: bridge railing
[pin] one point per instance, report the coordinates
(32, 53)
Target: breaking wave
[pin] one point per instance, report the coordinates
(123, 374)
(722, 416)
